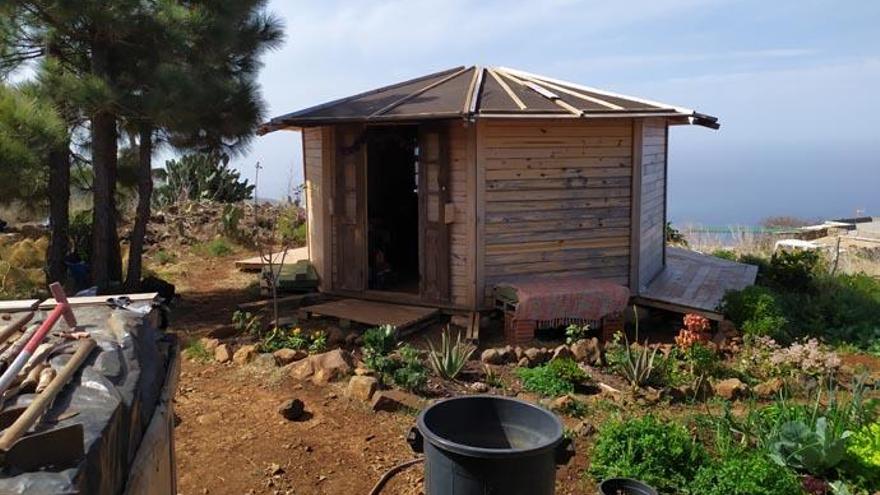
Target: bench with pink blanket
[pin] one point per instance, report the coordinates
(563, 301)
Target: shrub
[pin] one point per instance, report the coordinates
(793, 270)
(215, 248)
(573, 333)
(659, 453)
(247, 323)
(744, 474)
(230, 219)
(862, 463)
(451, 358)
(410, 371)
(292, 225)
(808, 357)
(756, 311)
(558, 377)
(725, 254)
(378, 344)
(318, 342)
(163, 257)
(203, 176)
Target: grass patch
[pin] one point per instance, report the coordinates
(163, 257)
(195, 350)
(558, 377)
(216, 248)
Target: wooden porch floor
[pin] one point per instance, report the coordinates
(695, 283)
(372, 312)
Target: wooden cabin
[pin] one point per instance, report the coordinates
(433, 190)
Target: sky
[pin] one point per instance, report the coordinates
(795, 84)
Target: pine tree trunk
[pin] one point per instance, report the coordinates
(142, 215)
(59, 212)
(105, 244)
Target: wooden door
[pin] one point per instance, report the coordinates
(433, 195)
(349, 212)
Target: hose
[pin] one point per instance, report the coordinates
(377, 489)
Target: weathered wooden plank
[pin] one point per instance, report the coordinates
(517, 206)
(559, 162)
(557, 142)
(558, 266)
(558, 173)
(555, 225)
(543, 195)
(528, 247)
(568, 183)
(565, 214)
(568, 152)
(568, 254)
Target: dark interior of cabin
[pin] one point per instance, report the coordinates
(393, 209)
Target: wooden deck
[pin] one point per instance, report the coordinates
(256, 263)
(695, 283)
(372, 312)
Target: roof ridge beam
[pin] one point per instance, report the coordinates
(412, 95)
(473, 95)
(506, 88)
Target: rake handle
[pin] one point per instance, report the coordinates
(36, 408)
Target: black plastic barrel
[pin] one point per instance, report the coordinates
(482, 444)
(625, 486)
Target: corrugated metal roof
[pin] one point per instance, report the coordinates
(481, 92)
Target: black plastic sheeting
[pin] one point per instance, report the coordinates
(113, 397)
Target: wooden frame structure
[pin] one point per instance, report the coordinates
(533, 178)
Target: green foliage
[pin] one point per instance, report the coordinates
(230, 219)
(756, 311)
(702, 360)
(292, 226)
(451, 358)
(558, 377)
(792, 271)
(29, 128)
(203, 176)
(378, 344)
(574, 408)
(246, 323)
(196, 351)
(674, 236)
(660, 453)
(410, 371)
(280, 338)
(725, 254)
(573, 333)
(815, 449)
(744, 473)
(215, 248)
(862, 463)
(80, 232)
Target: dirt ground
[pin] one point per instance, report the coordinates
(231, 439)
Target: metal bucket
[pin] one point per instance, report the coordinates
(483, 444)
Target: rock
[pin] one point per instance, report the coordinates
(506, 354)
(523, 362)
(245, 354)
(363, 371)
(361, 388)
(286, 356)
(265, 360)
(222, 354)
(769, 389)
(587, 351)
(351, 339)
(209, 344)
(335, 336)
(479, 387)
(562, 352)
(209, 418)
(585, 429)
(292, 409)
(393, 400)
(491, 356)
(730, 389)
(302, 369)
(563, 403)
(330, 366)
(535, 355)
(519, 353)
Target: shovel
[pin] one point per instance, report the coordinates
(54, 447)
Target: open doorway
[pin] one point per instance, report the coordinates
(393, 209)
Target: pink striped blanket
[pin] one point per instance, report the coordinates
(567, 300)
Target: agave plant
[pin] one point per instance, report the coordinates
(450, 359)
(638, 363)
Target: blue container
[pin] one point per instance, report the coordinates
(484, 444)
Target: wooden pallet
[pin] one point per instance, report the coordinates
(371, 313)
